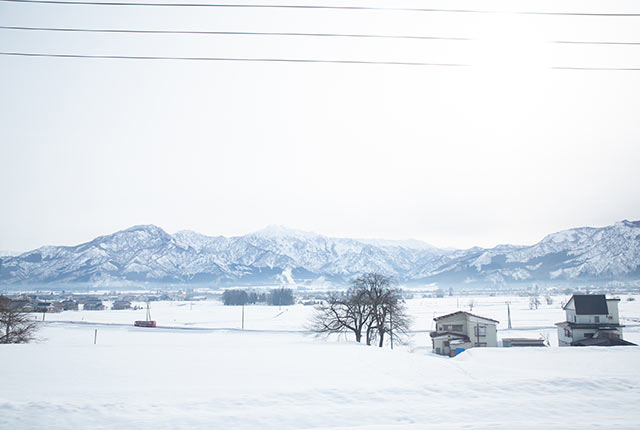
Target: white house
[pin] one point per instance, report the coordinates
(461, 330)
(591, 320)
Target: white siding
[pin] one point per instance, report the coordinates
(612, 306)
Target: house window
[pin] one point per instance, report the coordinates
(588, 335)
(596, 319)
(567, 332)
(480, 330)
(456, 327)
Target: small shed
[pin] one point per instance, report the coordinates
(509, 342)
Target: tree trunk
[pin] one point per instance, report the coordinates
(381, 339)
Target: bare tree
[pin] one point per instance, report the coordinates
(545, 337)
(371, 308)
(342, 313)
(16, 325)
(534, 302)
(390, 317)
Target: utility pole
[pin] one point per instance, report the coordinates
(391, 328)
(243, 316)
(95, 336)
(509, 314)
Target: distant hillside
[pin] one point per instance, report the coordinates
(148, 254)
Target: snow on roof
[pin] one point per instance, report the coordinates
(465, 313)
(607, 341)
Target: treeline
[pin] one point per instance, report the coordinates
(277, 297)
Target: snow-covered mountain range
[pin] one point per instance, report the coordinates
(148, 254)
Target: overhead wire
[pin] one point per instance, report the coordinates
(285, 60)
(317, 7)
(634, 69)
(588, 42)
(283, 34)
(289, 34)
(246, 6)
(232, 59)
(231, 33)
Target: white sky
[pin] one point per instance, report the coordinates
(505, 150)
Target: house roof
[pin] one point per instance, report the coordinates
(595, 304)
(598, 341)
(465, 313)
(519, 341)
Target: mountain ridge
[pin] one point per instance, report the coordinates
(148, 254)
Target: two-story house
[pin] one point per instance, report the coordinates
(591, 320)
(461, 330)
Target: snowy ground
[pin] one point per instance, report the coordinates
(201, 371)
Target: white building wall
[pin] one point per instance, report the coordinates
(442, 325)
(563, 340)
(612, 306)
(490, 336)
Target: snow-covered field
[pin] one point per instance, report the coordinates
(199, 370)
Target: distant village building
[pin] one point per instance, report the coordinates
(591, 320)
(55, 307)
(21, 303)
(93, 305)
(462, 330)
(121, 304)
(41, 307)
(70, 305)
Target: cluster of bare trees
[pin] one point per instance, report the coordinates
(16, 325)
(371, 309)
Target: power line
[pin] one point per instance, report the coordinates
(579, 42)
(329, 7)
(247, 6)
(232, 33)
(286, 34)
(600, 14)
(232, 59)
(597, 68)
(284, 60)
